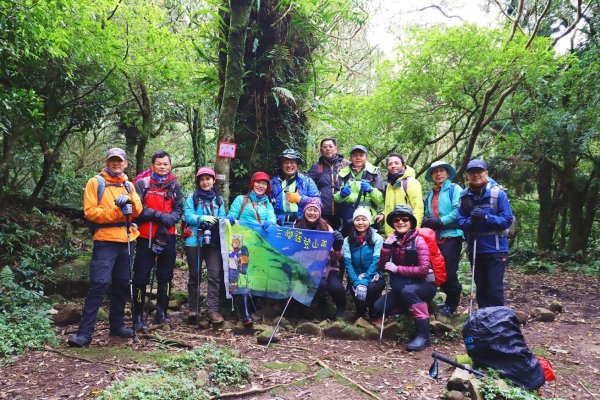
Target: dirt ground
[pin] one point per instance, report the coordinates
(323, 368)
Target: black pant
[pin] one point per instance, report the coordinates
(451, 249)
(145, 259)
(374, 290)
(489, 279)
(404, 297)
(109, 265)
(334, 286)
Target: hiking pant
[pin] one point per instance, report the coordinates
(211, 255)
(374, 290)
(489, 278)
(145, 259)
(109, 265)
(405, 297)
(334, 286)
(451, 249)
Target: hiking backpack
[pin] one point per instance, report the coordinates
(94, 226)
(436, 260)
(494, 193)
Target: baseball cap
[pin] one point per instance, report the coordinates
(476, 164)
(116, 152)
(359, 147)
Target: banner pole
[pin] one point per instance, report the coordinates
(278, 322)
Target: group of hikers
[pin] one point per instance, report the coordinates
(347, 197)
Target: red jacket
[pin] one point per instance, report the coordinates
(166, 198)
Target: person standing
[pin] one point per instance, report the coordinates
(253, 207)
(109, 202)
(361, 187)
(361, 251)
(441, 215)
(402, 188)
(325, 175)
(405, 256)
(485, 215)
(203, 208)
(163, 207)
(291, 189)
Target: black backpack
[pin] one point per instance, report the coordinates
(494, 340)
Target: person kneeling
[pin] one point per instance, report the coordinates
(405, 256)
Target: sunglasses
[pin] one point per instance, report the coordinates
(403, 219)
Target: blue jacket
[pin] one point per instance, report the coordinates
(191, 214)
(325, 174)
(263, 208)
(491, 231)
(362, 260)
(448, 209)
(306, 187)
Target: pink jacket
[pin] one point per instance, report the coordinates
(394, 250)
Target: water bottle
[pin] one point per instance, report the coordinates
(206, 237)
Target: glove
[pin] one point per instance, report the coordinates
(361, 292)
(208, 219)
(294, 197)
(231, 220)
(122, 200)
(391, 267)
(266, 225)
(280, 220)
(345, 192)
(478, 213)
(168, 219)
(366, 187)
(432, 223)
(338, 240)
(127, 209)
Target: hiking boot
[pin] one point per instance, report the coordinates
(161, 316)
(246, 316)
(421, 340)
(215, 317)
(78, 340)
(162, 303)
(121, 332)
(138, 322)
(192, 319)
(447, 311)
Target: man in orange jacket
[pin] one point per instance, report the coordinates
(109, 202)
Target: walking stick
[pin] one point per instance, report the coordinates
(152, 276)
(387, 293)
(198, 272)
(473, 276)
(434, 369)
(128, 225)
(279, 321)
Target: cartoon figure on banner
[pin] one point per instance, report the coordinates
(238, 262)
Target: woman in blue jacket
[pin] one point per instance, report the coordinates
(361, 256)
(254, 207)
(441, 215)
(202, 210)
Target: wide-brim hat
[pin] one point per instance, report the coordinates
(436, 164)
(401, 209)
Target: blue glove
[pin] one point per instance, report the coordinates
(345, 192)
(266, 225)
(231, 220)
(478, 213)
(122, 200)
(366, 187)
(127, 209)
(280, 220)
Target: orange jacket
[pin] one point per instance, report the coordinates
(107, 212)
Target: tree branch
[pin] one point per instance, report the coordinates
(435, 6)
(578, 17)
(538, 22)
(516, 21)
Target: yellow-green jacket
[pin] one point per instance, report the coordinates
(395, 194)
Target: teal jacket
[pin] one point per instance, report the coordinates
(448, 208)
(362, 260)
(191, 214)
(253, 206)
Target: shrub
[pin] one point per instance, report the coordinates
(160, 385)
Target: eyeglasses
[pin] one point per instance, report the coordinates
(403, 219)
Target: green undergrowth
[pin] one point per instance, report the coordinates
(294, 367)
(197, 374)
(490, 389)
(120, 353)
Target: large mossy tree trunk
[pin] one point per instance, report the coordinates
(232, 87)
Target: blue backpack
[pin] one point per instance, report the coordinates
(94, 226)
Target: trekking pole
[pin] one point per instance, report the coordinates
(440, 357)
(387, 293)
(278, 322)
(128, 225)
(152, 276)
(473, 276)
(198, 272)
